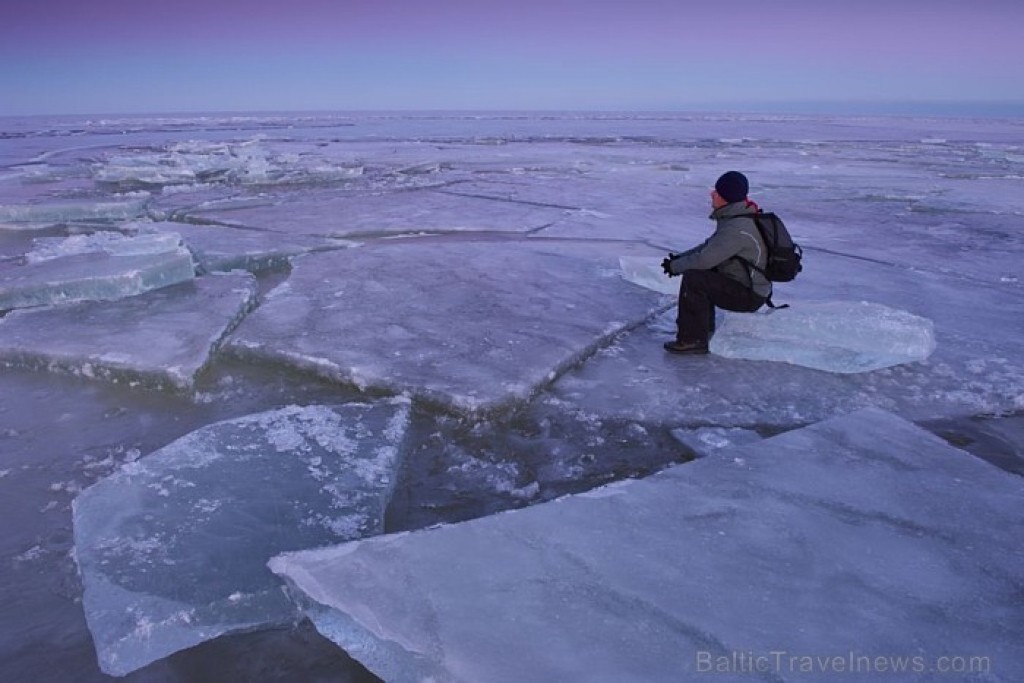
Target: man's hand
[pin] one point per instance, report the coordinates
(666, 265)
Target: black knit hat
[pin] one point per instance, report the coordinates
(732, 187)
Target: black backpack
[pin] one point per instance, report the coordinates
(784, 255)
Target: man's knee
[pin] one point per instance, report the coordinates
(696, 280)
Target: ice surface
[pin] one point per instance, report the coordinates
(218, 248)
(94, 268)
(337, 215)
(592, 196)
(474, 326)
(165, 336)
(887, 213)
(861, 534)
(172, 549)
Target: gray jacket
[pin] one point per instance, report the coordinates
(734, 236)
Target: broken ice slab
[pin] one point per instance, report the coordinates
(218, 248)
(337, 215)
(474, 326)
(252, 161)
(74, 210)
(707, 440)
(163, 337)
(834, 336)
(863, 534)
(172, 549)
(102, 266)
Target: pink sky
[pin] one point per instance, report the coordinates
(115, 55)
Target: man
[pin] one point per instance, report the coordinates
(715, 273)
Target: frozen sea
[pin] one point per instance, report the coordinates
(468, 262)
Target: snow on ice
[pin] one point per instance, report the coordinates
(860, 534)
(172, 548)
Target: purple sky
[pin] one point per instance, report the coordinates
(126, 56)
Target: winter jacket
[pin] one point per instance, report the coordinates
(734, 237)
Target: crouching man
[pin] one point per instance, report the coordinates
(716, 273)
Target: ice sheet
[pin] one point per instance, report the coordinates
(474, 326)
(843, 537)
(217, 248)
(335, 214)
(101, 266)
(172, 549)
(162, 337)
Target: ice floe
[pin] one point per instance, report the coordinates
(162, 337)
(474, 326)
(101, 266)
(172, 548)
(848, 539)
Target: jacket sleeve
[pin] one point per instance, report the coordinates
(717, 249)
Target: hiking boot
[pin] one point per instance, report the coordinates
(689, 348)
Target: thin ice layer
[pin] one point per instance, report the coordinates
(164, 337)
(471, 325)
(104, 266)
(849, 536)
(74, 210)
(172, 549)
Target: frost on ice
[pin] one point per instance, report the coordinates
(172, 549)
(490, 332)
(164, 336)
(843, 536)
(101, 266)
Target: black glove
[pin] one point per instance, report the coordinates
(666, 265)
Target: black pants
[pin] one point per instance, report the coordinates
(699, 293)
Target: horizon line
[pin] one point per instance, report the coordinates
(885, 108)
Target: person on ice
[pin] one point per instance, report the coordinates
(715, 273)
